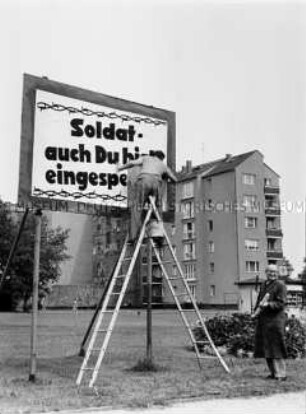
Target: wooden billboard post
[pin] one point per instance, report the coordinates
(149, 305)
(37, 240)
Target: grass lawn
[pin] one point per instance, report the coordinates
(178, 376)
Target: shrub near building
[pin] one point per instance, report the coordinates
(236, 332)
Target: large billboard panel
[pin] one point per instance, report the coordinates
(73, 139)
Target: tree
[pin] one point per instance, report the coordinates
(7, 232)
(53, 252)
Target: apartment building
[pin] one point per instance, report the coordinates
(228, 228)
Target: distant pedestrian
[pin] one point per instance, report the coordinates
(270, 326)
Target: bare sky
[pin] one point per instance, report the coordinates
(234, 73)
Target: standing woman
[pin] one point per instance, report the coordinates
(270, 327)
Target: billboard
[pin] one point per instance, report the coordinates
(73, 139)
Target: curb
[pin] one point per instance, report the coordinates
(176, 403)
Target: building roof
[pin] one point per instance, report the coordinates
(219, 166)
(271, 169)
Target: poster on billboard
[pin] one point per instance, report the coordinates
(73, 140)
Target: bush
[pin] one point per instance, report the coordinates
(236, 333)
(295, 338)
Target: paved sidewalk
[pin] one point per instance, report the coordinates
(289, 403)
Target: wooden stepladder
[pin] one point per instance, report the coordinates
(114, 296)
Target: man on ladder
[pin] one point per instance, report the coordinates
(147, 178)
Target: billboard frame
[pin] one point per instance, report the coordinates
(32, 83)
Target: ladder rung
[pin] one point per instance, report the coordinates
(207, 357)
(115, 293)
(120, 276)
(127, 258)
(162, 262)
(88, 369)
(153, 303)
(187, 310)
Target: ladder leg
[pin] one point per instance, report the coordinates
(98, 307)
(183, 316)
(115, 312)
(118, 304)
(194, 304)
(101, 314)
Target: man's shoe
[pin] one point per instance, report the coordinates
(270, 376)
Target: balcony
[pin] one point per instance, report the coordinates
(274, 233)
(274, 254)
(190, 278)
(269, 189)
(272, 210)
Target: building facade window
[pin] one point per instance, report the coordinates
(249, 202)
(189, 251)
(188, 209)
(188, 189)
(211, 246)
(250, 222)
(268, 182)
(272, 202)
(190, 271)
(271, 261)
(210, 224)
(252, 266)
(271, 223)
(248, 179)
(188, 230)
(251, 245)
(271, 245)
(192, 288)
(212, 267)
(212, 290)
